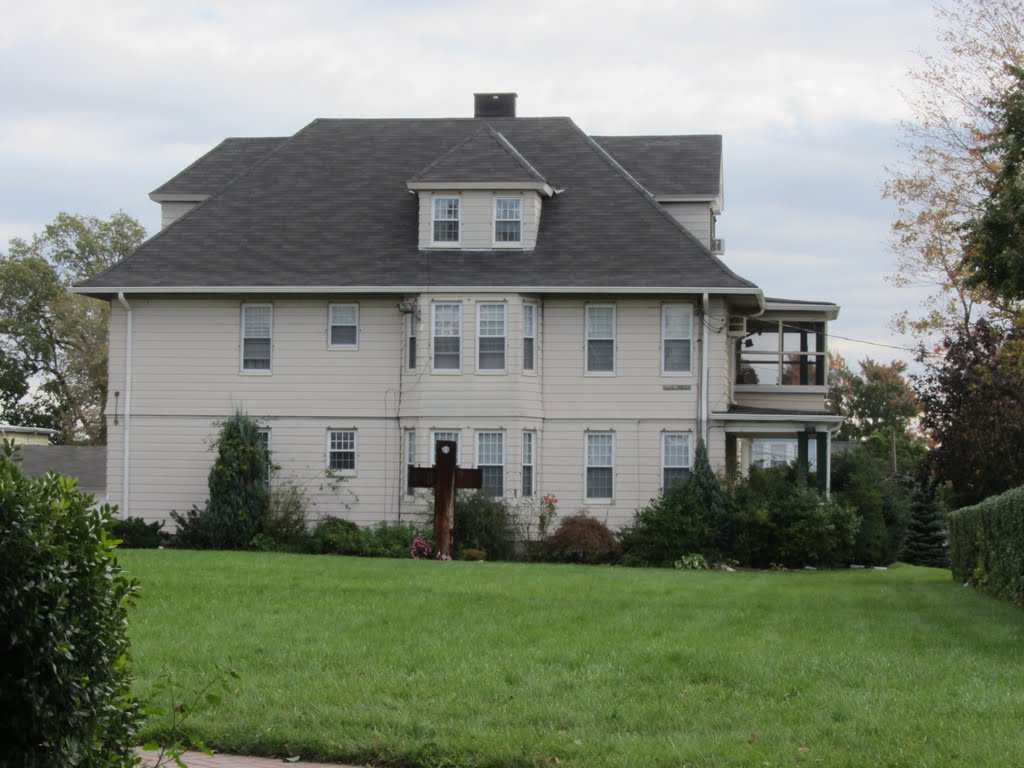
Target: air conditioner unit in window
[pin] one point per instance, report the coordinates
(717, 246)
(737, 326)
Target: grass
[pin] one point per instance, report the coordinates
(409, 663)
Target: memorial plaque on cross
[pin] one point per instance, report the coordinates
(445, 478)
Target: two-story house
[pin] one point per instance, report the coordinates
(551, 301)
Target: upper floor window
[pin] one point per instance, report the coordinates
(446, 219)
(600, 333)
(781, 352)
(675, 458)
(257, 329)
(447, 336)
(529, 337)
(491, 337)
(412, 341)
(508, 219)
(343, 326)
(676, 338)
(341, 450)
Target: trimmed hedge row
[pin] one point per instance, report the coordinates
(986, 545)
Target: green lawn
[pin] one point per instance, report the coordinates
(409, 663)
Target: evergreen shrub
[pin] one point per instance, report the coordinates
(926, 535)
(136, 533)
(986, 545)
(65, 682)
(672, 523)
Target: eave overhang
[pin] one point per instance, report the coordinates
(447, 186)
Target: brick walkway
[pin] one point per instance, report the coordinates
(199, 760)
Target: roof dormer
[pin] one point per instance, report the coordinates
(482, 194)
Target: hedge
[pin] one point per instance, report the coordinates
(986, 545)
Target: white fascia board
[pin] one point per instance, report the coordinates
(11, 429)
(685, 198)
(178, 198)
(354, 289)
(778, 418)
(830, 311)
(427, 186)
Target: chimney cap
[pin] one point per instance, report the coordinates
(494, 104)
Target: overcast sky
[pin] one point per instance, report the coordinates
(102, 101)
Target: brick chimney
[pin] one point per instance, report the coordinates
(494, 104)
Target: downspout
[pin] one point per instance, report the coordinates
(704, 368)
(126, 449)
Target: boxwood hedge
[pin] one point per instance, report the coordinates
(986, 545)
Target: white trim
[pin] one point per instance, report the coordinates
(686, 198)
(434, 200)
(830, 310)
(412, 334)
(242, 337)
(504, 309)
(11, 429)
(802, 389)
(126, 446)
(433, 330)
(330, 323)
(664, 306)
(532, 465)
(535, 305)
(689, 452)
(452, 186)
(586, 465)
(178, 198)
(355, 451)
(494, 222)
(586, 337)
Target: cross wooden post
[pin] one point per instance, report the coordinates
(445, 478)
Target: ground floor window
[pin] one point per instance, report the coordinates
(450, 435)
(490, 459)
(600, 461)
(676, 458)
(767, 452)
(341, 450)
(529, 441)
(410, 459)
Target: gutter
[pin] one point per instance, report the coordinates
(126, 449)
(705, 330)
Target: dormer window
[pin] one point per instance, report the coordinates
(508, 219)
(446, 219)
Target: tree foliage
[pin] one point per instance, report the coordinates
(54, 339)
(995, 238)
(973, 409)
(926, 535)
(940, 185)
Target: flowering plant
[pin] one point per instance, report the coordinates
(548, 512)
(419, 549)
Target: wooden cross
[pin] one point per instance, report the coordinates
(444, 477)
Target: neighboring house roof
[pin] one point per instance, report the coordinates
(484, 156)
(328, 209)
(670, 166)
(86, 462)
(11, 429)
(217, 167)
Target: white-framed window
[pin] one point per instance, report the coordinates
(529, 463)
(257, 332)
(342, 445)
(490, 459)
(676, 338)
(782, 353)
(491, 338)
(530, 337)
(412, 340)
(447, 336)
(600, 456)
(343, 326)
(441, 434)
(508, 219)
(676, 458)
(446, 219)
(410, 459)
(600, 332)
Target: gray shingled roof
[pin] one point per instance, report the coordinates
(86, 462)
(668, 166)
(329, 207)
(484, 156)
(219, 166)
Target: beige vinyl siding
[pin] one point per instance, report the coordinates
(476, 219)
(171, 212)
(813, 400)
(696, 217)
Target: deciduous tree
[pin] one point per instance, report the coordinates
(52, 338)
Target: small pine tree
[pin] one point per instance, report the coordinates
(926, 535)
(239, 498)
(712, 500)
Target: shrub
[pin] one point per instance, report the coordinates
(672, 523)
(238, 491)
(484, 522)
(335, 536)
(65, 683)
(695, 562)
(136, 533)
(780, 519)
(582, 539)
(861, 481)
(926, 537)
(420, 549)
(986, 545)
(283, 527)
(713, 501)
(472, 554)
